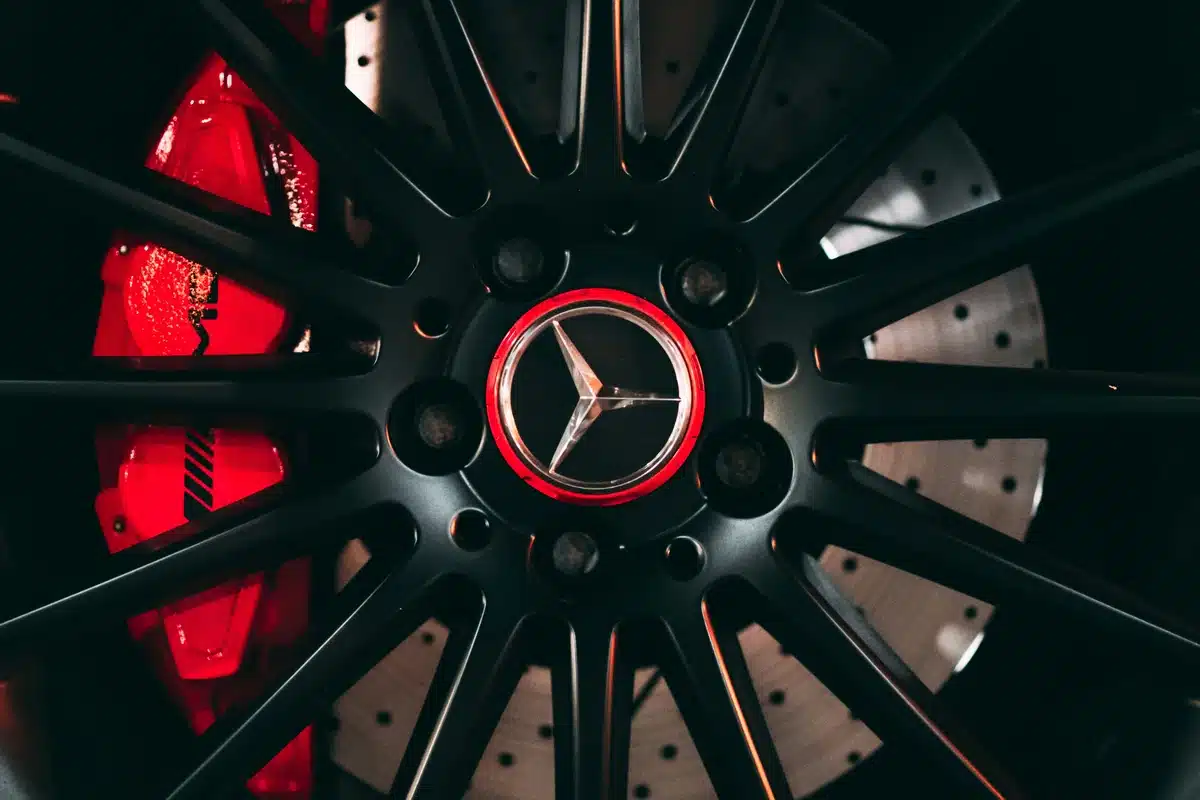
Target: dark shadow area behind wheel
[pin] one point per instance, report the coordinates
(85, 77)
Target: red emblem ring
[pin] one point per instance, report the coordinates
(631, 308)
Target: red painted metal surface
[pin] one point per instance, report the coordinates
(212, 650)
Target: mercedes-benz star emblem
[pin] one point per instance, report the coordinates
(594, 397)
(626, 339)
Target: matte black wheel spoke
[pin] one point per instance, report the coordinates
(815, 623)
(236, 540)
(469, 101)
(708, 677)
(343, 134)
(888, 401)
(592, 695)
(262, 251)
(170, 389)
(375, 611)
(592, 84)
(813, 202)
(458, 644)
(882, 520)
(866, 290)
(702, 152)
(484, 682)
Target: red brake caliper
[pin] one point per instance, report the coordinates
(156, 303)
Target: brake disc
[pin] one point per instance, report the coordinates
(814, 69)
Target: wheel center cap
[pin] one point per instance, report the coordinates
(595, 397)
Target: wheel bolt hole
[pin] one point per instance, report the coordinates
(519, 261)
(431, 319)
(740, 464)
(438, 425)
(435, 427)
(745, 469)
(685, 558)
(575, 555)
(471, 530)
(620, 222)
(776, 363)
(711, 285)
(703, 284)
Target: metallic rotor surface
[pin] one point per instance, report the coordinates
(998, 323)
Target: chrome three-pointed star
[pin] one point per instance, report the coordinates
(594, 398)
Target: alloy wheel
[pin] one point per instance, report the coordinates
(754, 453)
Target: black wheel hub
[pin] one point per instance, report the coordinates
(621, 442)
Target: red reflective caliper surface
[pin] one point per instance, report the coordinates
(211, 650)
